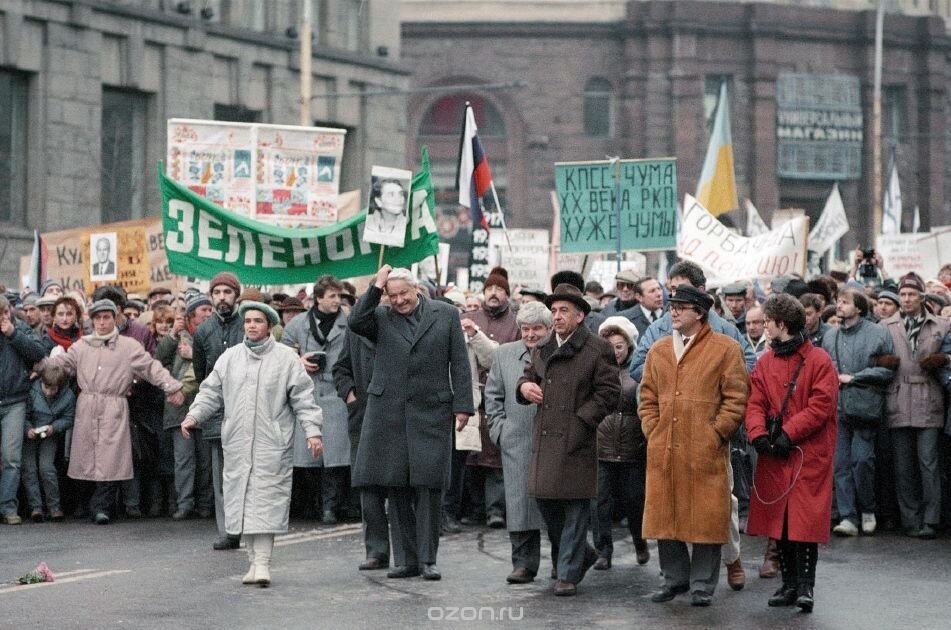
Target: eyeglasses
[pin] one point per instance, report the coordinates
(624, 285)
(677, 308)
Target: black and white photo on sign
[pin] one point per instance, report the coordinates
(388, 207)
(102, 256)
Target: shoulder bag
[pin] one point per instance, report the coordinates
(861, 405)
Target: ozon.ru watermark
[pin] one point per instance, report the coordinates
(472, 613)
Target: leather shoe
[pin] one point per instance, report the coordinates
(805, 601)
(431, 572)
(564, 589)
(641, 552)
(770, 566)
(225, 543)
(132, 511)
(926, 533)
(57, 516)
(602, 564)
(667, 593)
(496, 522)
(785, 596)
(374, 564)
(699, 598)
(36, 516)
(520, 575)
(735, 575)
(590, 557)
(403, 572)
(450, 525)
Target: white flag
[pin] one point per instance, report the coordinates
(754, 222)
(832, 225)
(891, 208)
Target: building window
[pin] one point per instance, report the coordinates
(444, 117)
(236, 113)
(352, 13)
(244, 14)
(598, 105)
(893, 113)
(124, 123)
(13, 147)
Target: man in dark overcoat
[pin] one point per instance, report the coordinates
(421, 380)
(572, 377)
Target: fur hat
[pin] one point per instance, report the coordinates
(619, 325)
(568, 293)
(498, 277)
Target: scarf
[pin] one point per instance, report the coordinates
(788, 347)
(97, 341)
(913, 328)
(64, 338)
(259, 347)
(325, 321)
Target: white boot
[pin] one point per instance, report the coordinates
(249, 577)
(263, 545)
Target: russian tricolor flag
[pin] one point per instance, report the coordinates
(474, 176)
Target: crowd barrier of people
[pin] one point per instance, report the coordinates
(789, 409)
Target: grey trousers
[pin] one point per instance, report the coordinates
(192, 471)
(217, 463)
(567, 523)
(917, 476)
(526, 549)
(376, 526)
(32, 475)
(414, 516)
(699, 568)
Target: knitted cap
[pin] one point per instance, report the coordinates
(911, 280)
(226, 278)
(269, 312)
(100, 306)
(498, 277)
(195, 301)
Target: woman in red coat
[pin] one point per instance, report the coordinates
(792, 497)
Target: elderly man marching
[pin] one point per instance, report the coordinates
(572, 377)
(698, 378)
(421, 381)
(262, 388)
(510, 427)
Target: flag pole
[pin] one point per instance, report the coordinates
(379, 263)
(438, 275)
(498, 207)
(877, 124)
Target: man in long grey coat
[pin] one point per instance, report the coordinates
(510, 427)
(319, 336)
(421, 379)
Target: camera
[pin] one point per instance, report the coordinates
(868, 270)
(317, 358)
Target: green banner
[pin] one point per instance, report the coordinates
(646, 210)
(202, 239)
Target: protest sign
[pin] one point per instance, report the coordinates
(387, 206)
(906, 252)
(646, 204)
(202, 239)
(527, 259)
(728, 256)
(274, 173)
(138, 254)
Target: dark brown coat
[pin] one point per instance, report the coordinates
(580, 386)
(620, 438)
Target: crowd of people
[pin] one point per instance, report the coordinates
(789, 409)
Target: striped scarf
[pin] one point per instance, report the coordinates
(913, 328)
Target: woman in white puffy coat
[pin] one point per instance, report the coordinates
(263, 388)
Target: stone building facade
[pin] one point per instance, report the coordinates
(640, 78)
(86, 87)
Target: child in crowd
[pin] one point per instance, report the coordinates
(50, 412)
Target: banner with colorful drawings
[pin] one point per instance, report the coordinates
(278, 174)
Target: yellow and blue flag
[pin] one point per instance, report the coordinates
(716, 190)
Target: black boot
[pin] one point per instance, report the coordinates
(807, 554)
(786, 594)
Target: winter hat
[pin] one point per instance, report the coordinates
(686, 294)
(30, 299)
(568, 277)
(498, 277)
(136, 304)
(269, 312)
(911, 280)
(889, 295)
(292, 305)
(456, 297)
(48, 284)
(226, 278)
(251, 295)
(195, 301)
(569, 293)
(100, 306)
(619, 325)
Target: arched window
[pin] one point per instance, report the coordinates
(598, 107)
(444, 117)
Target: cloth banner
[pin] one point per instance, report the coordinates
(727, 256)
(202, 239)
(832, 225)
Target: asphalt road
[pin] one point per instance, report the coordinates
(164, 574)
